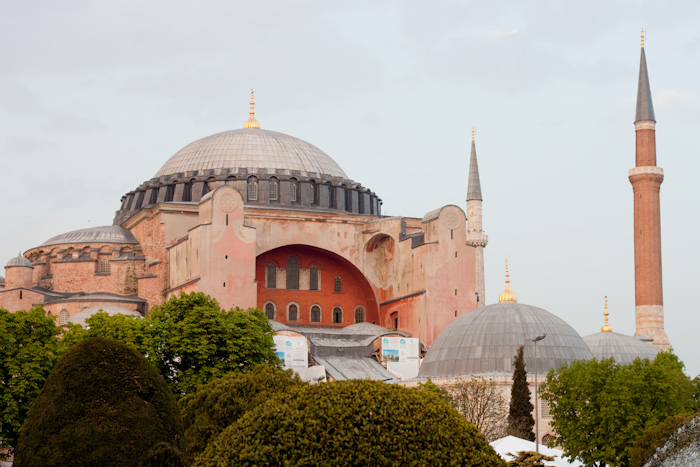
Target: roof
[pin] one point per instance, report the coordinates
(484, 341)
(624, 349)
(19, 261)
(474, 186)
(645, 108)
(79, 318)
(343, 368)
(104, 234)
(252, 149)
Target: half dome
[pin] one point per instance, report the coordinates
(252, 149)
(105, 234)
(486, 340)
(624, 349)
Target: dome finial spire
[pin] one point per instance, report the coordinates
(507, 295)
(473, 130)
(607, 327)
(642, 37)
(252, 122)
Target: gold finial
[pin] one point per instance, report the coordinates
(473, 129)
(507, 295)
(642, 37)
(607, 327)
(252, 122)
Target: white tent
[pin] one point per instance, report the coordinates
(513, 445)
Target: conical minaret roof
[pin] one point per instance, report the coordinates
(474, 187)
(645, 108)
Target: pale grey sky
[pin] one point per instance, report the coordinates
(95, 96)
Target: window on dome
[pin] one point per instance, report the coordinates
(293, 192)
(252, 189)
(348, 200)
(293, 312)
(338, 286)
(272, 276)
(274, 188)
(360, 315)
(270, 310)
(187, 192)
(154, 196)
(313, 278)
(331, 196)
(293, 273)
(169, 193)
(337, 315)
(315, 314)
(63, 317)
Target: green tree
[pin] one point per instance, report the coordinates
(520, 420)
(529, 459)
(600, 408)
(221, 402)
(351, 423)
(190, 339)
(441, 393)
(656, 436)
(102, 405)
(29, 348)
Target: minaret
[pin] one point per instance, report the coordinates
(475, 236)
(646, 180)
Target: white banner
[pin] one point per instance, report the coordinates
(293, 351)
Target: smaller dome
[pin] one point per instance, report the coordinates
(79, 318)
(19, 262)
(277, 326)
(104, 234)
(367, 329)
(2, 281)
(624, 349)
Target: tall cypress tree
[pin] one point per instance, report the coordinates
(520, 421)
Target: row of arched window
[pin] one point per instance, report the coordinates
(315, 313)
(292, 276)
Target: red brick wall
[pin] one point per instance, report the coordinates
(647, 239)
(356, 289)
(646, 148)
(11, 301)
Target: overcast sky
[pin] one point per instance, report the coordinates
(95, 96)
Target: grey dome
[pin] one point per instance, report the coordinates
(79, 318)
(252, 149)
(624, 349)
(105, 234)
(19, 262)
(485, 341)
(277, 326)
(2, 281)
(368, 329)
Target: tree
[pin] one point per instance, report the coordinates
(191, 340)
(102, 405)
(481, 401)
(351, 423)
(442, 393)
(520, 420)
(29, 348)
(655, 437)
(599, 408)
(529, 459)
(220, 403)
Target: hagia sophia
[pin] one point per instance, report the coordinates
(257, 218)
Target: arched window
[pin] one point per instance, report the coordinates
(360, 316)
(313, 278)
(270, 310)
(293, 191)
(394, 320)
(293, 273)
(252, 189)
(315, 314)
(271, 276)
(338, 286)
(337, 315)
(63, 318)
(274, 189)
(293, 312)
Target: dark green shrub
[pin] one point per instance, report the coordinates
(164, 455)
(654, 437)
(351, 423)
(216, 405)
(529, 459)
(102, 405)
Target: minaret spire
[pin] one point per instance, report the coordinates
(646, 180)
(475, 234)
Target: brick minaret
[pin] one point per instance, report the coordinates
(475, 236)
(646, 180)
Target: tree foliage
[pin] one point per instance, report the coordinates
(599, 408)
(351, 423)
(529, 459)
(29, 349)
(102, 405)
(190, 339)
(520, 420)
(442, 393)
(681, 449)
(220, 403)
(655, 437)
(481, 401)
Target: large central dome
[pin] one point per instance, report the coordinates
(252, 149)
